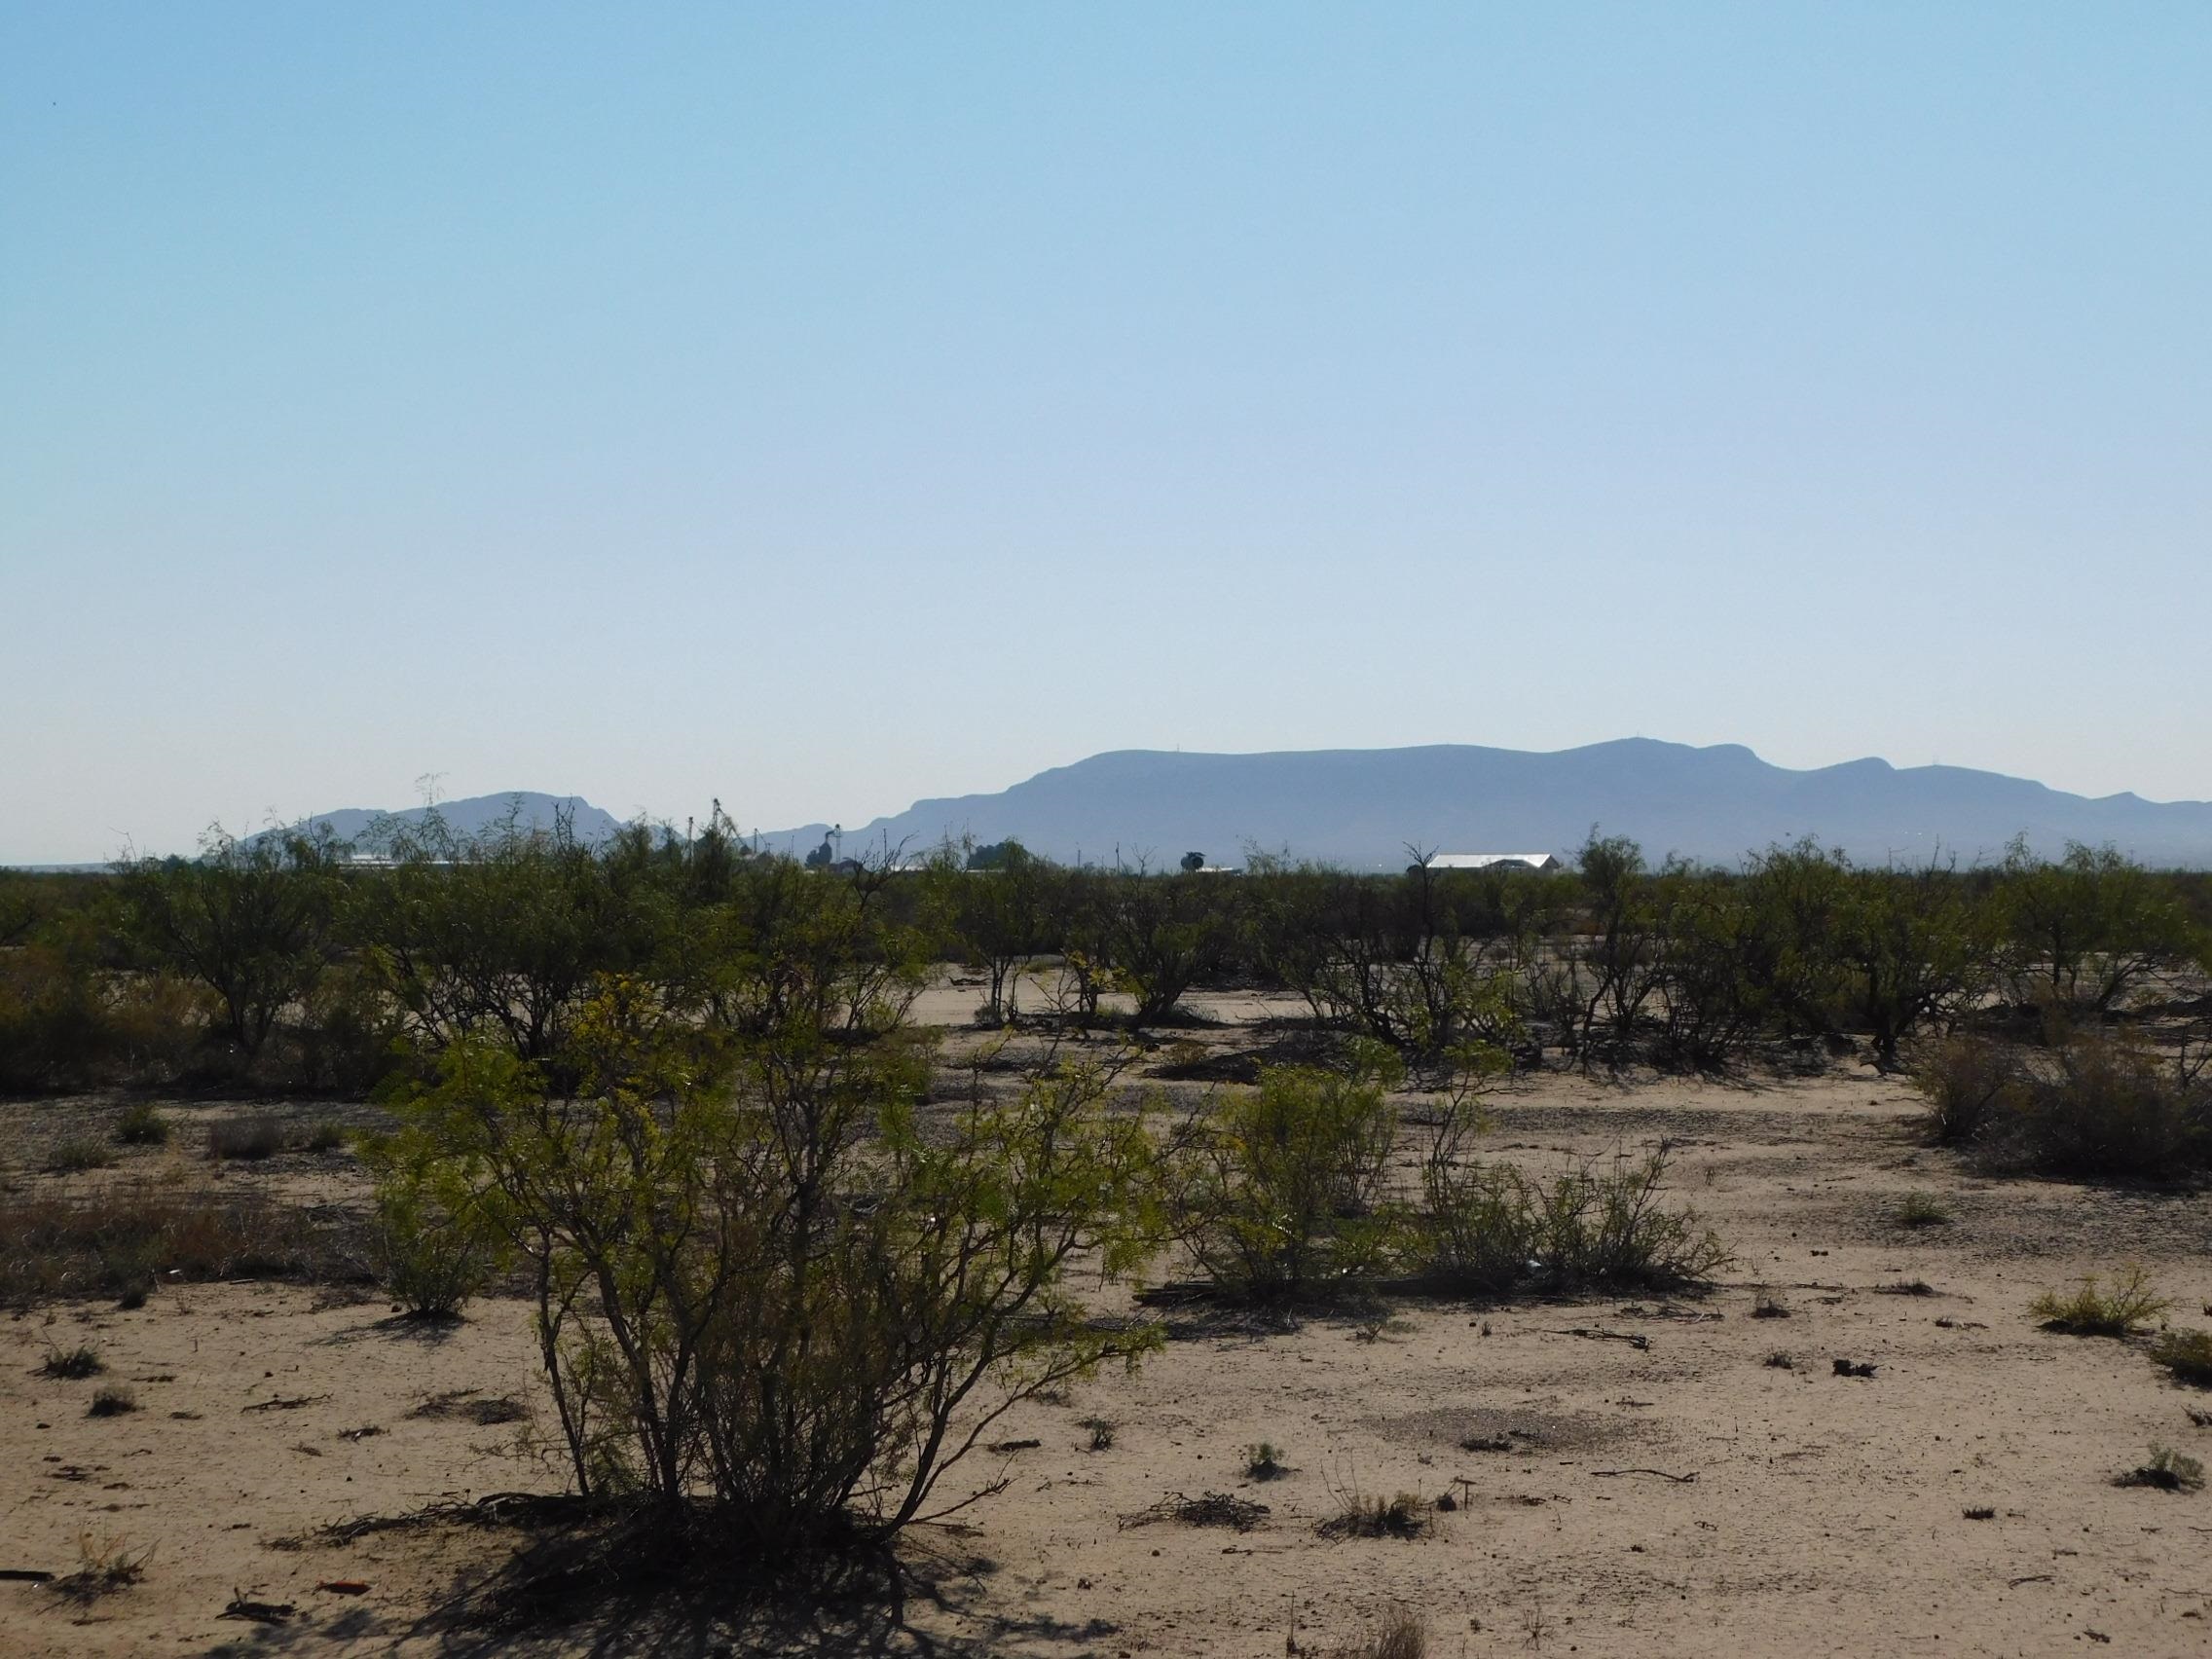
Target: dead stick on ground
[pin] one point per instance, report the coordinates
(2031, 1578)
(1598, 1333)
(1679, 1480)
(285, 1405)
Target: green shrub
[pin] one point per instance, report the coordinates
(1283, 1192)
(2096, 1311)
(142, 1124)
(326, 1134)
(1264, 1461)
(437, 1243)
(749, 1316)
(2187, 1354)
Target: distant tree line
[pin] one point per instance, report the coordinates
(287, 960)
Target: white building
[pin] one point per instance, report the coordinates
(1487, 861)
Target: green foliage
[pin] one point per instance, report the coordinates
(1264, 1461)
(1282, 1191)
(2091, 927)
(439, 1236)
(252, 920)
(760, 1284)
(2094, 1311)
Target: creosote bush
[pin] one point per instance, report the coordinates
(769, 1304)
(1283, 1192)
(2094, 1311)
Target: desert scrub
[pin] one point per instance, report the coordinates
(250, 1139)
(82, 1362)
(1967, 1082)
(103, 1565)
(768, 1304)
(113, 1241)
(1283, 1193)
(1600, 1225)
(2187, 1354)
(1408, 1515)
(142, 1124)
(2093, 1311)
(326, 1136)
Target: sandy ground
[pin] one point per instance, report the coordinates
(1679, 1495)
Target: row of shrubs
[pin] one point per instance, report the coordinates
(285, 960)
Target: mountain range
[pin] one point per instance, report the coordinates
(477, 814)
(1363, 808)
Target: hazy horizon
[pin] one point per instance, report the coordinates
(826, 409)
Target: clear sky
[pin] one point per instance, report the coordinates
(820, 406)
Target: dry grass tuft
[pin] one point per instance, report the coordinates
(106, 1564)
(114, 1399)
(248, 1138)
(1401, 1636)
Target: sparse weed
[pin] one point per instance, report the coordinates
(326, 1136)
(2095, 1311)
(1101, 1433)
(2167, 1470)
(1770, 1305)
(1922, 1209)
(1264, 1461)
(83, 1360)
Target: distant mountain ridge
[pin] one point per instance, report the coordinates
(476, 814)
(1363, 807)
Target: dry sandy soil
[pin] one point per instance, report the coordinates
(1678, 1493)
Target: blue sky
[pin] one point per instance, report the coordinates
(819, 407)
